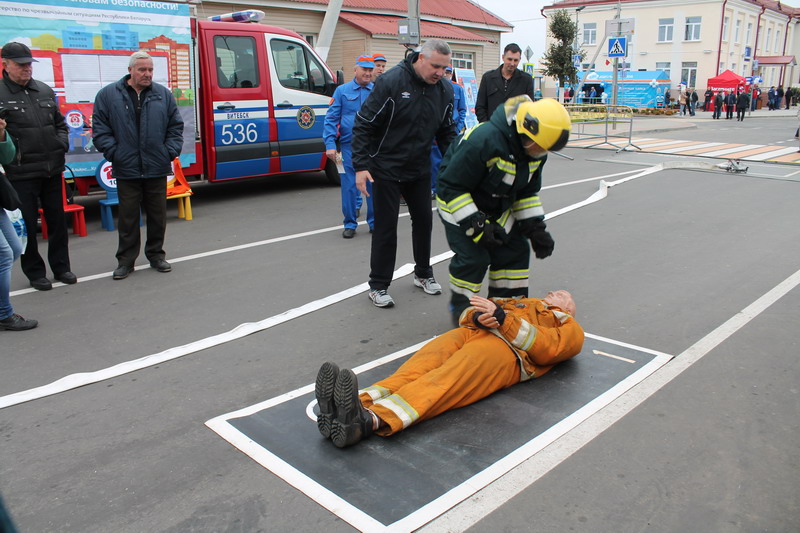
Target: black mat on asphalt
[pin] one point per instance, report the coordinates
(391, 478)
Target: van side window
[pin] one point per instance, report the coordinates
(297, 68)
(237, 62)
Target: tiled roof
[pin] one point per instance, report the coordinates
(463, 10)
(387, 25)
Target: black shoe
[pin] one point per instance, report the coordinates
(352, 422)
(122, 272)
(323, 390)
(348, 233)
(41, 284)
(371, 230)
(67, 277)
(161, 265)
(17, 323)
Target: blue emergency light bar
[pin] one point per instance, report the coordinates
(251, 15)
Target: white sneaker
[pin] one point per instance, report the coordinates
(428, 285)
(380, 298)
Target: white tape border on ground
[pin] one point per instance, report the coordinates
(471, 511)
(364, 522)
(74, 381)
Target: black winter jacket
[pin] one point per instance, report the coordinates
(492, 92)
(38, 130)
(148, 152)
(396, 125)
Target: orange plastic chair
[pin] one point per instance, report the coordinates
(178, 189)
(78, 217)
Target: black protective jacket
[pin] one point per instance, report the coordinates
(395, 128)
(143, 152)
(492, 91)
(37, 127)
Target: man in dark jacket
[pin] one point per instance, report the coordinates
(502, 83)
(408, 107)
(41, 136)
(730, 104)
(488, 198)
(719, 100)
(137, 126)
(742, 103)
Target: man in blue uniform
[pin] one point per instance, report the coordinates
(459, 118)
(346, 102)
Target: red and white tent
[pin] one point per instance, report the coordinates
(726, 81)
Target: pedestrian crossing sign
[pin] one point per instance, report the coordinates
(618, 47)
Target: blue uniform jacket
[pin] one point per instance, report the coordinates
(346, 102)
(459, 107)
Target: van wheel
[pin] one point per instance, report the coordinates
(332, 173)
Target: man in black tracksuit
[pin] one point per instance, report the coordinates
(41, 137)
(409, 106)
(502, 83)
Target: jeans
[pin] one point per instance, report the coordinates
(10, 250)
(436, 160)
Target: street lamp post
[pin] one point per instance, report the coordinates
(576, 49)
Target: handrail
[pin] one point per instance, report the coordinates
(588, 114)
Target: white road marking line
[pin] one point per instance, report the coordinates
(770, 155)
(598, 352)
(689, 147)
(469, 512)
(741, 148)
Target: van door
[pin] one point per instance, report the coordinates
(236, 105)
(301, 89)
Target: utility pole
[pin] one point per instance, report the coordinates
(576, 54)
(408, 29)
(616, 60)
(328, 28)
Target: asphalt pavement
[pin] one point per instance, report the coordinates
(697, 263)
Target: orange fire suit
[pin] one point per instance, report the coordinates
(469, 363)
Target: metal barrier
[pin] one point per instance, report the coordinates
(598, 117)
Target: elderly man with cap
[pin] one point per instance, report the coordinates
(40, 133)
(488, 198)
(346, 102)
(499, 343)
(380, 65)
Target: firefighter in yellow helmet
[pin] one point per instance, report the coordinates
(488, 198)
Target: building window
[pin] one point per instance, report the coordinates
(721, 67)
(462, 59)
(663, 66)
(749, 33)
(769, 38)
(665, 30)
(692, 32)
(689, 73)
(590, 33)
(725, 28)
(311, 39)
(737, 31)
(733, 68)
(778, 40)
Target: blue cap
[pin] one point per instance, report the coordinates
(365, 62)
(448, 68)
(378, 57)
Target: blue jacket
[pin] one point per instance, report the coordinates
(148, 152)
(459, 107)
(346, 102)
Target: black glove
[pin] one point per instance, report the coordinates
(542, 243)
(486, 233)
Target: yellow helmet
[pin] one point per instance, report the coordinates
(545, 121)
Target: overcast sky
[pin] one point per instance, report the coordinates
(530, 27)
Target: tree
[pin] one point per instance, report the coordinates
(557, 61)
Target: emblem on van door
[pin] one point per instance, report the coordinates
(306, 117)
